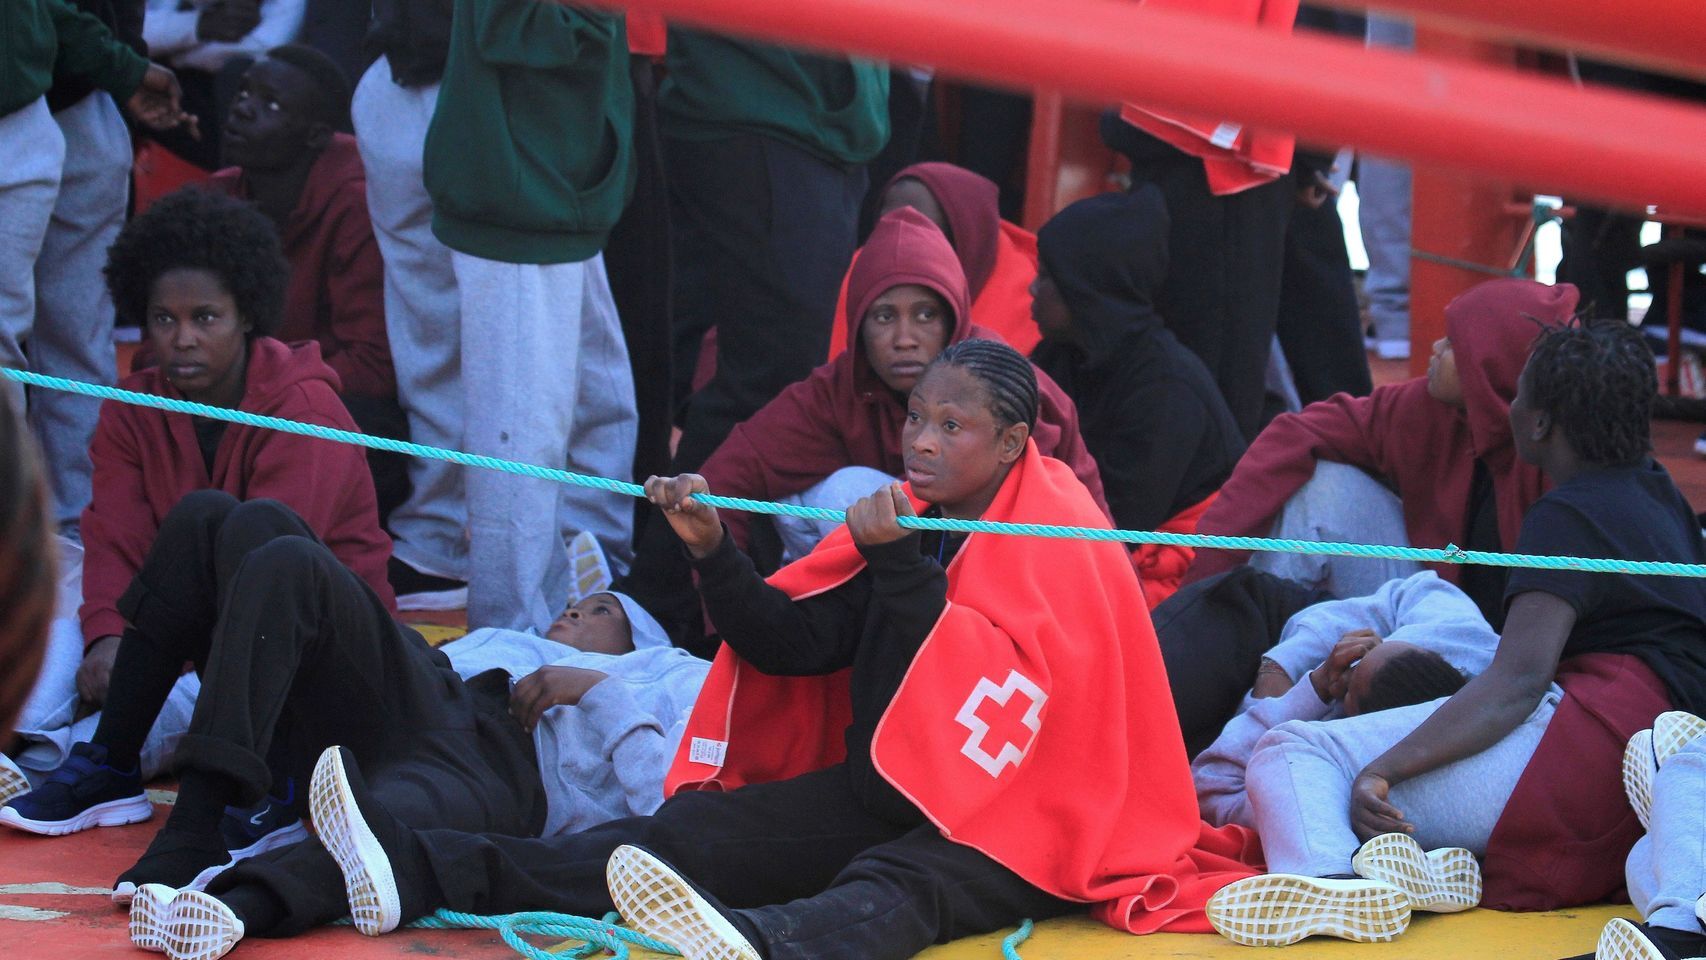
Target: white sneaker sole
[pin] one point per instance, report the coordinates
(1622, 941)
(182, 924)
(150, 909)
(113, 813)
(374, 906)
(1648, 750)
(1447, 880)
(13, 783)
(1673, 730)
(656, 901)
(591, 569)
(1279, 909)
(434, 600)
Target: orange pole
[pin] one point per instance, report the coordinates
(1614, 147)
(1665, 35)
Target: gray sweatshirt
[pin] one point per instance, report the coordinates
(605, 757)
(1422, 609)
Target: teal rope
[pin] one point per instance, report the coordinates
(1010, 945)
(1451, 554)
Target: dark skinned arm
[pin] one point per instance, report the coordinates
(1484, 712)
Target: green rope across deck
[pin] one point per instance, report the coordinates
(1450, 554)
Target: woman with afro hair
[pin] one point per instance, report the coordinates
(204, 276)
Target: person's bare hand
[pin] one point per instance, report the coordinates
(1371, 813)
(1333, 677)
(95, 673)
(158, 102)
(694, 522)
(549, 687)
(227, 21)
(873, 521)
(1317, 192)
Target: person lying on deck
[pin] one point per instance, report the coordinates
(1427, 463)
(874, 763)
(1150, 411)
(1520, 767)
(295, 652)
(906, 302)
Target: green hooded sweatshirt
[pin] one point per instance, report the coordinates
(529, 158)
(35, 33)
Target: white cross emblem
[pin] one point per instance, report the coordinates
(1012, 743)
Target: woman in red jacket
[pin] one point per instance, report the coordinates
(204, 276)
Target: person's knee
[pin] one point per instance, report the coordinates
(281, 563)
(199, 509)
(253, 523)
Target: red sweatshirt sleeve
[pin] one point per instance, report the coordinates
(786, 447)
(355, 291)
(1341, 429)
(118, 525)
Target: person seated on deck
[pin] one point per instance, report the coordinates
(907, 302)
(26, 556)
(1150, 411)
(1427, 463)
(1664, 775)
(203, 275)
(999, 258)
(295, 653)
(283, 153)
(1521, 766)
(827, 798)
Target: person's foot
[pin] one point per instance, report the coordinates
(13, 783)
(1648, 750)
(182, 924)
(268, 825)
(84, 792)
(1447, 880)
(175, 859)
(346, 826)
(590, 567)
(660, 903)
(424, 591)
(1626, 940)
(1277, 909)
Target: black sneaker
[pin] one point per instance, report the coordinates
(268, 825)
(84, 792)
(423, 591)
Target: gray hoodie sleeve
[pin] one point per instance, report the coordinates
(1219, 770)
(637, 744)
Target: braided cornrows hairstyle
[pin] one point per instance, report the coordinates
(1596, 380)
(27, 563)
(1005, 374)
(1411, 677)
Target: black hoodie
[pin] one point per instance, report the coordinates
(1148, 409)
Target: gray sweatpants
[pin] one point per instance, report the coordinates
(1383, 213)
(73, 334)
(32, 152)
(1345, 505)
(546, 381)
(1666, 870)
(1300, 775)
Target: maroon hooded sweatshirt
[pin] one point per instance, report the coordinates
(842, 415)
(146, 461)
(1424, 448)
(336, 295)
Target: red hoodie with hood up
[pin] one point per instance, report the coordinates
(336, 295)
(146, 460)
(1426, 449)
(844, 416)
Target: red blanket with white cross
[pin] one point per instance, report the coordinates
(1035, 724)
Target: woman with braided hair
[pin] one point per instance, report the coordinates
(1522, 767)
(874, 762)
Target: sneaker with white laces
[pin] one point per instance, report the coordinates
(13, 783)
(84, 792)
(1447, 880)
(660, 903)
(182, 924)
(369, 881)
(1277, 909)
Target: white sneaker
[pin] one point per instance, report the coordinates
(590, 567)
(1447, 880)
(656, 901)
(369, 882)
(1622, 940)
(1648, 750)
(182, 924)
(1277, 909)
(13, 783)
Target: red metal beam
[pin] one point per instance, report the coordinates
(1544, 133)
(1665, 35)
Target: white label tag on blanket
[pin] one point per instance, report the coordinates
(709, 752)
(1226, 135)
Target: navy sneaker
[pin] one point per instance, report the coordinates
(268, 825)
(84, 792)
